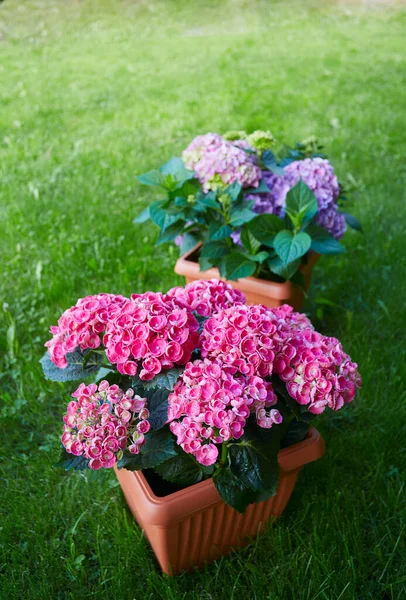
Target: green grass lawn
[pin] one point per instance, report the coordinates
(94, 92)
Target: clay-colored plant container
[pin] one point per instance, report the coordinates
(194, 526)
(257, 291)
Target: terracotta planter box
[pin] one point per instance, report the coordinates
(257, 291)
(194, 526)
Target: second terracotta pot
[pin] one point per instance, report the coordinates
(257, 291)
(194, 526)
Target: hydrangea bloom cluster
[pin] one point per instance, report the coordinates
(206, 297)
(272, 202)
(218, 163)
(101, 421)
(152, 331)
(82, 325)
(317, 371)
(210, 405)
(241, 336)
(318, 174)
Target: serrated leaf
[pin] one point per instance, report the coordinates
(269, 161)
(152, 178)
(239, 266)
(157, 213)
(301, 202)
(175, 167)
(158, 407)
(249, 241)
(215, 249)
(69, 461)
(352, 221)
(323, 242)
(239, 216)
(166, 379)
(158, 447)
(277, 266)
(261, 189)
(219, 233)
(189, 242)
(256, 465)
(208, 200)
(205, 263)
(260, 257)
(143, 216)
(296, 433)
(265, 227)
(182, 469)
(232, 490)
(76, 368)
(233, 190)
(170, 233)
(290, 246)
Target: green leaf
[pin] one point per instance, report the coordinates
(158, 407)
(233, 190)
(157, 213)
(142, 217)
(215, 249)
(205, 263)
(352, 221)
(70, 461)
(261, 189)
(280, 268)
(158, 447)
(170, 233)
(296, 433)
(264, 228)
(219, 233)
(189, 242)
(256, 465)
(80, 365)
(239, 216)
(260, 257)
(249, 241)
(290, 247)
(182, 469)
(323, 242)
(238, 266)
(301, 202)
(269, 161)
(208, 200)
(176, 169)
(154, 178)
(166, 379)
(232, 490)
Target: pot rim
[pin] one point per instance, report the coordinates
(196, 497)
(184, 266)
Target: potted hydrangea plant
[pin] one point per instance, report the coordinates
(203, 405)
(242, 212)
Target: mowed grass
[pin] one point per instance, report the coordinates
(93, 93)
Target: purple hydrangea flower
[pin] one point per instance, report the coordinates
(318, 174)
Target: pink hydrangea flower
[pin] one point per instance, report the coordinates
(82, 325)
(210, 405)
(101, 422)
(206, 297)
(317, 371)
(247, 337)
(218, 163)
(150, 331)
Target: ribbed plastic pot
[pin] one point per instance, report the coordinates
(194, 526)
(257, 291)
